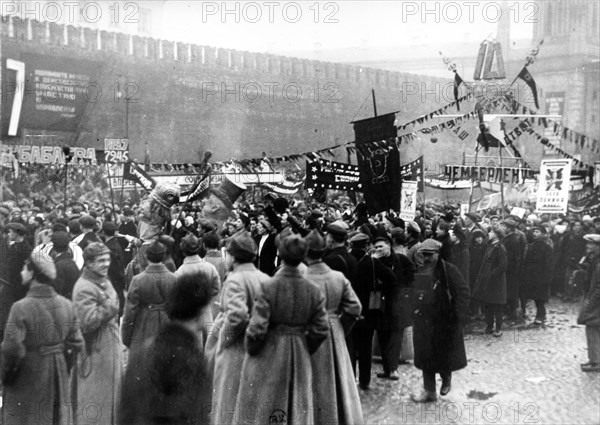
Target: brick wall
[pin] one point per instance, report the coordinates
(304, 105)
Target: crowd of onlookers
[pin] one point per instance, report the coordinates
(227, 293)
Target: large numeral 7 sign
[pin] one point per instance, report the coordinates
(15, 114)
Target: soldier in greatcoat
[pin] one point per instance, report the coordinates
(335, 394)
(289, 324)
(35, 372)
(225, 344)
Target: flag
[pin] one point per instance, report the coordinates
(197, 191)
(286, 187)
(526, 76)
(135, 173)
(326, 174)
(457, 82)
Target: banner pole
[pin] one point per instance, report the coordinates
(112, 197)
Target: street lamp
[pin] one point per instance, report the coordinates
(68, 157)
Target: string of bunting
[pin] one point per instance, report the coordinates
(564, 132)
(439, 111)
(525, 127)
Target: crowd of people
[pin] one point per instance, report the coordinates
(268, 316)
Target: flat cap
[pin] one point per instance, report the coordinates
(109, 228)
(541, 229)
(18, 228)
(430, 245)
(474, 217)
(336, 229)
(87, 221)
(359, 239)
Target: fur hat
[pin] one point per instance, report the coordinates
(156, 252)
(18, 228)
(93, 250)
(292, 248)
(315, 242)
(242, 247)
(190, 245)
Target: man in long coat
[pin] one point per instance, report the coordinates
(514, 259)
(334, 387)
(100, 366)
(42, 328)
(226, 341)
(439, 317)
(536, 276)
(288, 325)
(145, 308)
(590, 313)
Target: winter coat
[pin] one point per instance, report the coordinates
(34, 365)
(167, 381)
(13, 290)
(437, 335)
(396, 315)
(333, 376)
(100, 365)
(225, 347)
(369, 270)
(491, 282)
(289, 323)
(459, 256)
(591, 309)
(145, 308)
(476, 253)
(514, 260)
(536, 274)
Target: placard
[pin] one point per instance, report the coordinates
(408, 203)
(553, 189)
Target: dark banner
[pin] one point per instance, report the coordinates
(46, 92)
(413, 171)
(325, 174)
(135, 173)
(375, 129)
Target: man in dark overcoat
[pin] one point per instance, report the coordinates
(396, 317)
(438, 321)
(514, 260)
(536, 275)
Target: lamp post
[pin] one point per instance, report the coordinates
(68, 158)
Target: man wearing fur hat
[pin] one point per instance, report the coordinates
(100, 367)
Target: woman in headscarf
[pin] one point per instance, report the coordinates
(334, 388)
(40, 339)
(289, 324)
(100, 366)
(226, 342)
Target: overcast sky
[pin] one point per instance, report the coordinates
(280, 26)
